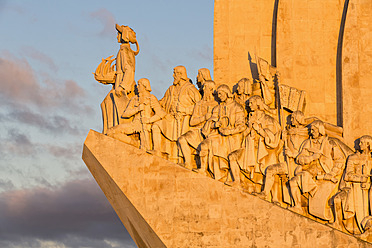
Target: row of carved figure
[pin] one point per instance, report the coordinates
(237, 138)
(255, 137)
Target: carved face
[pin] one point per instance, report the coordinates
(141, 88)
(363, 145)
(222, 95)
(199, 77)
(314, 131)
(240, 88)
(294, 121)
(253, 105)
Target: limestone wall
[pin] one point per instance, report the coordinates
(307, 40)
(163, 204)
(240, 26)
(320, 46)
(357, 70)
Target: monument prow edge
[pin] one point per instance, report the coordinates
(162, 204)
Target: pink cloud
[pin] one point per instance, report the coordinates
(39, 56)
(106, 18)
(73, 213)
(20, 87)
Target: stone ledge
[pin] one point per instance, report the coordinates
(165, 205)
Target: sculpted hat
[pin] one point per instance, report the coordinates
(124, 30)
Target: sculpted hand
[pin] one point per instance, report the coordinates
(119, 92)
(181, 109)
(256, 127)
(224, 131)
(217, 124)
(261, 78)
(208, 115)
(301, 160)
(145, 120)
(141, 107)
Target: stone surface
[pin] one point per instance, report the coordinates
(356, 70)
(240, 26)
(306, 50)
(163, 204)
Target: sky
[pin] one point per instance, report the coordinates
(49, 100)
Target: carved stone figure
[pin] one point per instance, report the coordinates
(125, 59)
(145, 110)
(122, 79)
(243, 91)
(352, 203)
(293, 137)
(201, 113)
(261, 144)
(224, 134)
(178, 102)
(203, 75)
(321, 163)
(112, 107)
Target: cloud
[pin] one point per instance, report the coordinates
(17, 144)
(20, 87)
(68, 151)
(106, 18)
(52, 123)
(75, 214)
(39, 56)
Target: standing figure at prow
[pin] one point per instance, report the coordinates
(122, 79)
(352, 203)
(178, 102)
(224, 134)
(145, 110)
(125, 60)
(321, 163)
(203, 75)
(190, 141)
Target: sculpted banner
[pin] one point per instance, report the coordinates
(254, 136)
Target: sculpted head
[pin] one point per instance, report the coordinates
(209, 88)
(179, 73)
(224, 92)
(256, 103)
(365, 143)
(203, 75)
(144, 85)
(297, 118)
(317, 129)
(244, 86)
(125, 34)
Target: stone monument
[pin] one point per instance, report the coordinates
(269, 154)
